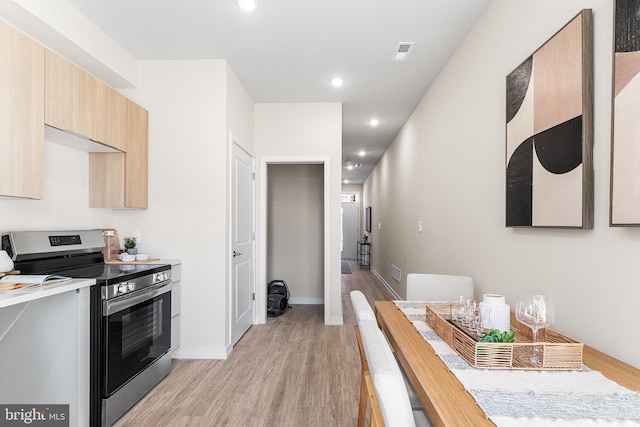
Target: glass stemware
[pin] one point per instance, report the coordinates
(486, 325)
(535, 309)
(469, 314)
(458, 313)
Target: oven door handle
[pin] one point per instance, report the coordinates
(114, 306)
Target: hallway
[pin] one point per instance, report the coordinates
(292, 371)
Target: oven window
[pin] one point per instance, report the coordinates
(134, 338)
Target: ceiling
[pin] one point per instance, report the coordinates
(289, 50)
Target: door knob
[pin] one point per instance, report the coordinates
(235, 254)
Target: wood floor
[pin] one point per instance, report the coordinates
(293, 371)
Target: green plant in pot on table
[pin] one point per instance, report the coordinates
(130, 245)
(496, 335)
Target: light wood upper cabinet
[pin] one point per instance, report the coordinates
(110, 117)
(69, 96)
(76, 101)
(106, 180)
(137, 159)
(120, 180)
(21, 115)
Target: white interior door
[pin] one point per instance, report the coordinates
(242, 242)
(350, 229)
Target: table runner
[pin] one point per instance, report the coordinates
(526, 398)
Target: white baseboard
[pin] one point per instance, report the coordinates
(306, 301)
(386, 285)
(335, 321)
(217, 353)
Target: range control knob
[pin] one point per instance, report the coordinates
(159, 277)
(130, 286)
(122, 288)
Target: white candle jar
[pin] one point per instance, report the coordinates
(500, 311)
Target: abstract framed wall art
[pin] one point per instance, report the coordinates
(549, 132)
(625, 146)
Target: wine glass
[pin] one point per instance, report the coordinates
(459, 311)
(535, 309)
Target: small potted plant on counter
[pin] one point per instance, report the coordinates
(130, 245)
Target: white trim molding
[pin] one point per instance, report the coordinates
(261, 294)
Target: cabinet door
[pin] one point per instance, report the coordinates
(120, 180)
(69, 96)
(21, 115)
(106, 180)
(136, 159)
(110, 118)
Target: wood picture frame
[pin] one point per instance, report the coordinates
(549, 132)
(624, 194)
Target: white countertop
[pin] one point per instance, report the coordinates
(18, 297)
(167, 261)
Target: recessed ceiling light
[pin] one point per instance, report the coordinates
(247, 5)
(374, 122)
(361, 153)
(337, 81)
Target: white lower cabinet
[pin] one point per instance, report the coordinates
(44, 355)
(176, 276)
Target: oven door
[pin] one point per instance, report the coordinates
(136, 330)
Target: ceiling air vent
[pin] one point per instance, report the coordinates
(403, 50)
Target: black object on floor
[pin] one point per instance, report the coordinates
(277, 298)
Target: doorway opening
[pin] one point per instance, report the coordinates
(295, 230)
(316, 228)
(350, 229)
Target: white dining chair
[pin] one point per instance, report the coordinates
(389, 394)
(361, 307)
(363, 311)
(438, 287)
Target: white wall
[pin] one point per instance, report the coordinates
(239, 110)
(447, 168)
(189, 120)
(239, 115)
(295, 218)
(306, 131)
(66, 197)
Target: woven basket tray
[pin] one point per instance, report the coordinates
(558, 352)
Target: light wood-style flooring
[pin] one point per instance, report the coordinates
(293, 371)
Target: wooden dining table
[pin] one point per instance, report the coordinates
(444, 398)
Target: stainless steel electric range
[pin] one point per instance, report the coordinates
(130, 314)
